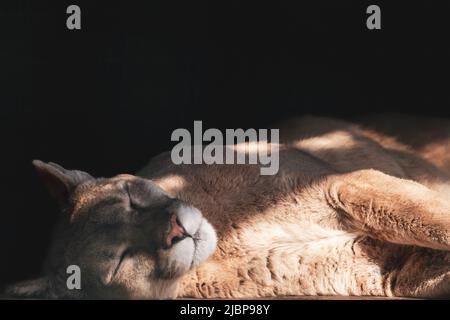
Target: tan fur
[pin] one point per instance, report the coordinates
(351, 212)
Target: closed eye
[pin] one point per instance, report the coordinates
(133, 205)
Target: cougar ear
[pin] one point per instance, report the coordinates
(59, 181)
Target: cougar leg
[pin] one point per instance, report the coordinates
(425, 274)
(391, 209)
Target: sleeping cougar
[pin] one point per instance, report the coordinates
(353, 210)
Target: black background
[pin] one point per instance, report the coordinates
(106, 98)
(278, 309)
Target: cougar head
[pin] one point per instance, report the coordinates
(125, 236)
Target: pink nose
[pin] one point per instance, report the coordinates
(177, 231)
